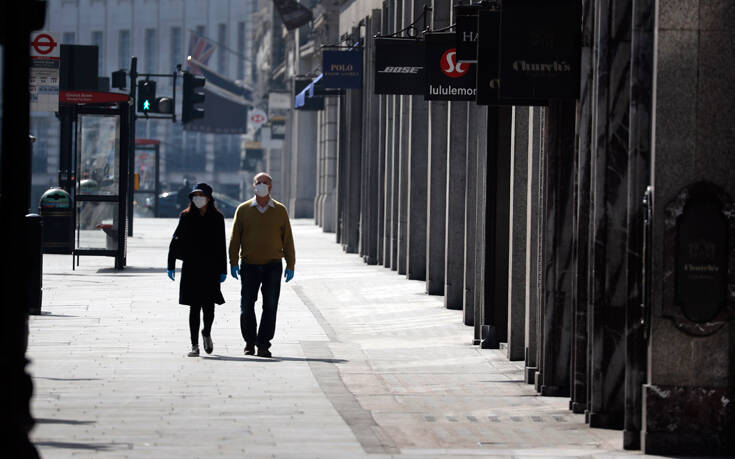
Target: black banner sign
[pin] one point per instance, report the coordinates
(342, 69)
(540, 49)
(466, 31)
(447, 79)
(488, 48)
(399, 66)
(314, 103)
(293, 14)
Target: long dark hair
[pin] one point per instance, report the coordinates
(210, 207)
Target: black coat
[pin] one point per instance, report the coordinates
(202, 242)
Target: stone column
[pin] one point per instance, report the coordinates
(495, 289)
(580, 280)
(388, 234)
(437, 175)
(456, 188)
(470, 220)
(416, 226)
(517, 234)
(688, 396)
(382, 124)
(319, 168)
(558, 268)
(354, 166)
(329, 203)
(533, 238)
(639, 176)
(608, 219)
(480, 239)
(303, 160)
(404, 134)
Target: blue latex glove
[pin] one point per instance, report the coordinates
(235, 271)
(288, 274)
(171, 274)
(222, 278)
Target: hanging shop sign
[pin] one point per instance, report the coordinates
(540, 49)
(342, 69)
(447, 79)
(306, 100)
(399, 66)
(488, 48)
(278, 127)
(466, 32)
(292, 13)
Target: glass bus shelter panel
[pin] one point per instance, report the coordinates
(99, 155)
(145, 195)
(98, 225)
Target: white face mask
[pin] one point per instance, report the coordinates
(261, 189)
(199, 201)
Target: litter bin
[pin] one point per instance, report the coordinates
(58, 223)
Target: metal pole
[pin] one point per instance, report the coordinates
(131, 142)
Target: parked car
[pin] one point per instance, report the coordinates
(168, 204)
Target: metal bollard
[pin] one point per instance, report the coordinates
(34, 257)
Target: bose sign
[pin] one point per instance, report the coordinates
(399, 66)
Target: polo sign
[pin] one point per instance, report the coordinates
(342, 69)
(399, 66)
(446, 78)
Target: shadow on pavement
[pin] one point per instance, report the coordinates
(85, 446)
(66, 379)
(63, 421)
(272, 359)
(50, 314)
(132, 269)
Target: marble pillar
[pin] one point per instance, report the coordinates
(481, 138)
(517, 234)
(559, 134)
(609, 194)
(380, 196)
(580, 281)
(437, 174)
(404, 131)
(416, 226)
(329, 202)
(533, 214)
(639, 167)
(389, 183)
(470, 218)
(539, 268)
(688, 397)
(497, 213)
(455, 211)
(354, 165)
(303, 167)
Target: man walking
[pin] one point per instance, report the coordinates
(261, 236)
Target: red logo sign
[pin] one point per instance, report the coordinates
(257, 118)
(449, 64)
(44, 44)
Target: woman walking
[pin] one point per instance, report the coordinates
(199, 241)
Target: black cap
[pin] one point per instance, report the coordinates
(203, 187)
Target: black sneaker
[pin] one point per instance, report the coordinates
(249, 350)
(208, 344)
(194, 351)
(264, 352)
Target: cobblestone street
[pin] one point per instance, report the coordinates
(364, 364)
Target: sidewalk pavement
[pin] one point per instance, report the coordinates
(365, 365)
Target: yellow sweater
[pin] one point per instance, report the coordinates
(261, 238)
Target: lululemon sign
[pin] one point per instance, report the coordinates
(446, 78)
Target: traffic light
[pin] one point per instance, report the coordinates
(191, 96)
(147, 96)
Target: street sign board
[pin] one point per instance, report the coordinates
(399, 66)
(446, 78)
(256, 118)
(44, 79)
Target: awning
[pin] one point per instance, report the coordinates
(314, 89)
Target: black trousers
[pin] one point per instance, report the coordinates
(208, 313)
(267, 278)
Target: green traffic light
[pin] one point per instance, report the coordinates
(146, 105)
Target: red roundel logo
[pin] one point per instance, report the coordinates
(449, 64)
(44, 44)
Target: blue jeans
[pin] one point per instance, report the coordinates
(267, 278)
